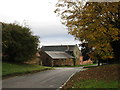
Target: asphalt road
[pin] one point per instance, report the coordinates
(45, 79)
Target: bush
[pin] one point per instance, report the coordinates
(18, 43)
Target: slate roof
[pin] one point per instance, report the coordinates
(58, 55)
(58, 48)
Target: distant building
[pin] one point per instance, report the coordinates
(60, 55)
(56, 58)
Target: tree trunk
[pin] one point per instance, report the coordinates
(99, 62)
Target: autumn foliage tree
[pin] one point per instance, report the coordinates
(18, 43)
(97, 23)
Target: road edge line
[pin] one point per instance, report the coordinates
(67, 80)
(70, 78)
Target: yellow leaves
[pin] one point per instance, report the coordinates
(91, 36)
(102, 29)
(96, 23)
(75, 22)
(103, 49)
(73, 32)
(113, 33)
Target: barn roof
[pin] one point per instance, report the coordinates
(58, 55)
(58, 48)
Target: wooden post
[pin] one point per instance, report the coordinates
(52, 63)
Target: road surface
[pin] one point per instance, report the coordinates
(45, 79)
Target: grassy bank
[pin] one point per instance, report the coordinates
(12, 68)
(96, 84)
(106, 76)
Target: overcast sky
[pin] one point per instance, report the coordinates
(40, 16)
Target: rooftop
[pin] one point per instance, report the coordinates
(58, 48)
(58, 55)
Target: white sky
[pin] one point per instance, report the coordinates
(40, 16)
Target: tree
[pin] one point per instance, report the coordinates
(85, 51)
(18, 43)
(95, 22)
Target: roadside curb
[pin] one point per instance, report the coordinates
(67, 81)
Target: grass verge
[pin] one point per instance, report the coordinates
(96, 84)
(106, 76)
(76, 65)
(15, 69)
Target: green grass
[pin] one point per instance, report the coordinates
(75, 65)
(96, 84)
(12, 68)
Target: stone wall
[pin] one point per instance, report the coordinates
(77, 62)
(46, 60)
(63, 62)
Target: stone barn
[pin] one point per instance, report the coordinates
(56, 58)
(60, 55)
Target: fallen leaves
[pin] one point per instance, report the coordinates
(106, 73)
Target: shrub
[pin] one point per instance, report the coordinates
(18, 43)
